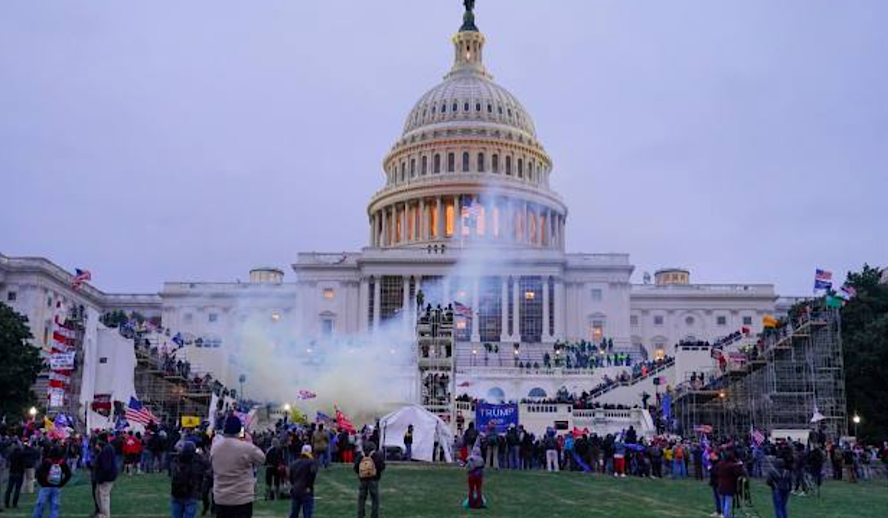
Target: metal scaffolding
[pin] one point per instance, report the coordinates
(793, 374)
(436, 361)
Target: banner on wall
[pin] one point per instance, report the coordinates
(502, 416)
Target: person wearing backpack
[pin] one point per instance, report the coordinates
(369, 468)
(303, 472)
(52, 475)
(187, 482)
(780, 482)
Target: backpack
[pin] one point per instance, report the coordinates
(54, 477)
(182, 478)
(366, 468)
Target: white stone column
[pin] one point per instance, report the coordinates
(516, 309)
(504, 309)
(405, 304)
(476, 335)
(377, 304)
(559, 309)
(363, 304)
(546, 334)
(385, 227)
(422, 221)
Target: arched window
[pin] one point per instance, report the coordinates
(437, 168)
(499, 109)
(455, 107)
(537, 393)
(495, 164)
(412, 168)
(481, 165)
(465, 162)
(496, 395)
(403, 171)
(477, 107)
(520, 168)
(466, 106)
(451, 162)
(425, 165)
(508, 165)
(444, 108)
(489, 108)
(434, 110)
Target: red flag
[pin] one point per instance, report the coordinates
(344, 422)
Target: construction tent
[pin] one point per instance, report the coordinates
(427, 430)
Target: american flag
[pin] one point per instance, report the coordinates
(136, 412)
(758, 436)
(462, 310)
(471, 209)
(80, 276)
(303, 395)
(823, 275)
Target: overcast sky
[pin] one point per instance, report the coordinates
(159, 141)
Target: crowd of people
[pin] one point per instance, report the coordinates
(219, 470)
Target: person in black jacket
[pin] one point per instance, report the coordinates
(16, 461)
(369, 477)
(52, 475)
(106, 474)
(274, 470)
(303, 472)
(187, 482)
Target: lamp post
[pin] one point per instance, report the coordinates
(856, 420)
(286, 412)
(32, 412)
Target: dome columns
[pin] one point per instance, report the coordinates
(466, 219)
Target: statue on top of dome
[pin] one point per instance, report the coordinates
(469, 17)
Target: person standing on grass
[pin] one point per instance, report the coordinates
(303, 472)
(52, 475)
(187, 481)
(234, 461)
(408, 443)
(780, 481)
(475, 471)
(729, 471)
(369, 468)
(550, 445)
(16, 460)
(320, 441)
(713, 483)
(106, 474)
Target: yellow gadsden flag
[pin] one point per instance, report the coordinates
(48, 424)
(190, 421)
(769, 321)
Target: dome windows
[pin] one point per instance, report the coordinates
(451, 162)
(481, 165)
(520, 168)
(495, 163)
(466, 107)
(437, 168)
(455, 107)
(477, 107)
(425, 165)
(412, 168)
(489, 108)
(444, 108)
(465, 162)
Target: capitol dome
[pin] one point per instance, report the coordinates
(468, 166)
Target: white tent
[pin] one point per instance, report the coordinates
(427, 429)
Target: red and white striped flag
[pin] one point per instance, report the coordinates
(80, 276)
(136, 412)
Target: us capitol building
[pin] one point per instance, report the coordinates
(468, 178)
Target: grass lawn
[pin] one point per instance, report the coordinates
(416, 491)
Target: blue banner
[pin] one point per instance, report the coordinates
(502, 416)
